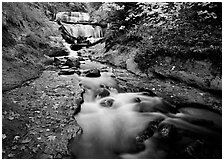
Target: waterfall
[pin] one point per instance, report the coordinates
(98, 32)
(84, 30)
(72, 16)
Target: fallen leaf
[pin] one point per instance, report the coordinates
(11, 118)
(27, 140)
(4, 136)
(39, 116)
(16, 138)
(35, 150)
(55, 107)
(23, 147)
(5, 112)
(33, 132)
(37, 112)
(48, 117)
(51, 138)
(11, 155)
(14, 147)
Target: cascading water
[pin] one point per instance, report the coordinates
(134, 125)
(112, 123)
(72, 16)
(77, 30)
(84, 30)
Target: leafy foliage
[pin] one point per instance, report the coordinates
(187, 30)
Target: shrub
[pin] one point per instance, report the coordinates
(184, 30)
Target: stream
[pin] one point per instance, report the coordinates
(94, 110)
(81, 108)
(132, 125)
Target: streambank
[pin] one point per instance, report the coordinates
(38, 117)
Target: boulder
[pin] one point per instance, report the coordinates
(92, 73)
(54, 52)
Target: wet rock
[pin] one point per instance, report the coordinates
(147, 92)
(79, 103)
(167, 132)
(81, 59)
(148, 132)
(48, 61)
(107, 103)
(92, 73)
(75, 47)
(66, 72)
(57, 61)
(103, 92)
(64, 67)
(54, 52)
(79, 53)
(71, 62)
(76, 71)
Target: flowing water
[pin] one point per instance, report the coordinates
(136, 125)
(77, 30)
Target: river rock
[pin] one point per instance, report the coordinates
(167, 132)
(64, 67)
(75, 47)
(93, 73)
(57, 61)
(107, 103)
(72, 62)
(79, 53)
(66, 72)
(48, 61)
(102, 92)
(54, 52)
(81, 59)
(78, 72)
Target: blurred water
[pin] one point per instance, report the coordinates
(112, 123)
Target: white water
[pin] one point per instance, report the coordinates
(77, 30)
(110, 132)
(72, 16)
